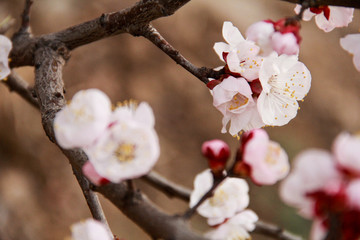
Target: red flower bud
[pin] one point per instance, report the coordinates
(217, 152)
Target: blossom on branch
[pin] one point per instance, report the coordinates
(328, 17)
(83, 120)
(90, 230)
(284, 81)
(237, 227)
(265, 161)
(239, 54)
(233, 98)
(5, 48)
(129, 147)
(229, 198)
(326, 187)
(351, 43)
(282, 36)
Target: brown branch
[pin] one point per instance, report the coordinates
(25, 17)
(150, 33)
(92, 199)
(49, 88)
(106, 25)
(166, 186)
(274, 231)
(15, 83)
(340, 3)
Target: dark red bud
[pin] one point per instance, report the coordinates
(217, 152)
(256, 87)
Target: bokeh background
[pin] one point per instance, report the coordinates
(39, 196)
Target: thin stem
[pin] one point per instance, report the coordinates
(15, 83)
(25, 17)
(208, 194)
(92, 199)
(150, 33)
(273, 231)
(166, 186)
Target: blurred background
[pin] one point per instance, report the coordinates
(39, 196)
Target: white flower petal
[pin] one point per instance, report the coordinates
(231, 34)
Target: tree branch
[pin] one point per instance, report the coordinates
(25, 17)
(150, 33)
(15, 83)
(166, 186)
(274, 231)
(49, 88)
(92, 199)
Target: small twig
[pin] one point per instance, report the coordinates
(15, 83)
(92, 199)
(274, 231)
(334, 232)
(208, 194)
(25, 17)
(166, 186)
(150, 33)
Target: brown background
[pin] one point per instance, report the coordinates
(40, 198)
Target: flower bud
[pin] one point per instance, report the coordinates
(90, 172)
(217, 152)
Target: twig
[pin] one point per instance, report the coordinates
(15, 83)
(274, 231)
(154, 36)
(92, 199)
(25, 17)
(166, 186)
(208, 194)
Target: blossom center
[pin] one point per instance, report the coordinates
(219, 198)
(125, 152)
(272, 154)
(237, 101)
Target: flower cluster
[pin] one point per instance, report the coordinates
(328, 17)
(121, 144)
(326, 187)
(282, 36)
(225, 210)
(90, 230)
(257, 90)
(5, 48)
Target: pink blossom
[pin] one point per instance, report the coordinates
(351, 43)
(346, 149)
(353, 194)
(285, 43)
(233, 98)
(261, 32)
(267, 161)
(277, 36)
(328, 17)
(313, 171)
